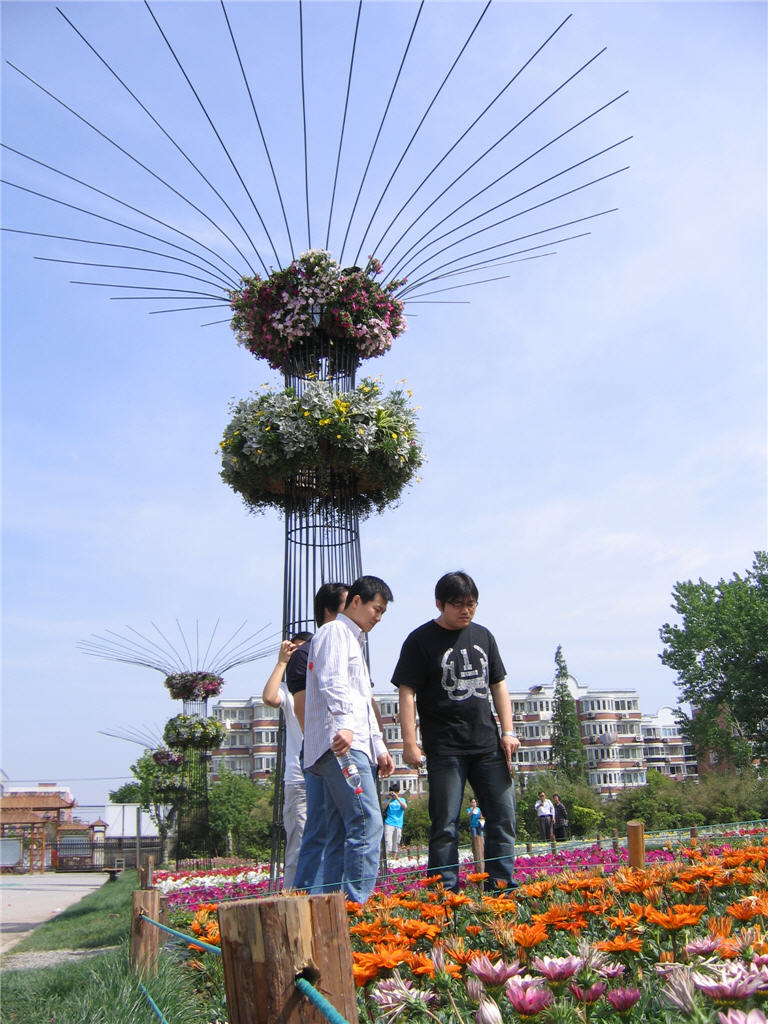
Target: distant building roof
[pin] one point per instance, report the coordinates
(19, 816)
(34, 801)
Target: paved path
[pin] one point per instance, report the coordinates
(28, 900)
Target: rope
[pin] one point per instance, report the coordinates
(318, 1000)
(154, 1005)
(189, 939)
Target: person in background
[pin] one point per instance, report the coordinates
(561, 818)
(545, 812)
(340, 726)
(277, 695)
(476, 826)
(450, 667)
(329, 601)
(394, 816)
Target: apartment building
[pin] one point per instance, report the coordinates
(664, 747)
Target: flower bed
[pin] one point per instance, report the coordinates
(682, 940)
(358, 446)
(279, 318)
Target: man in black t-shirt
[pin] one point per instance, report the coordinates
(451, 670)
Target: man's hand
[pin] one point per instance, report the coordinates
(386, 765)
(413, 755)
(285, 652)
(342, 742)
(510, 744)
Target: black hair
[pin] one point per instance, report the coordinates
(368, 587)
(301, 638)
(455, 585)
(394, 787)
(328, 598)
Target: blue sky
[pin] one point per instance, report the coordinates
(594, 424)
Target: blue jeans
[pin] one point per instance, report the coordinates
(309, 867)
(489, 777)
(354, 828)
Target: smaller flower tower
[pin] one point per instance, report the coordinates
(190, 736)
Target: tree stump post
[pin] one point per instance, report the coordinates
(636, 844)
(145, 938)
(266, 944)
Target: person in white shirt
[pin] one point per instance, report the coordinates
(277, 695)
(546, 814)
(339, 722)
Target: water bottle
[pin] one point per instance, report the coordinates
(351, 773)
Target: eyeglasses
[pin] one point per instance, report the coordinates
(469, 605)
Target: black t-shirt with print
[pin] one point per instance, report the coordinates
(451, 672)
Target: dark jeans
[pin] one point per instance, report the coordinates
(488, 775)
(545, 826)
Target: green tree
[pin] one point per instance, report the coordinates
(157, 790)
(240, 815)
(720, 654)
(567, 751)
(128, 793)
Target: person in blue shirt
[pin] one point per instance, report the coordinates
(394, 808)
(476, 827)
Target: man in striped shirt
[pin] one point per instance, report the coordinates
(339, 723)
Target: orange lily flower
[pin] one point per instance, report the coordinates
(681, 915)
(621, 944)
(528, 935)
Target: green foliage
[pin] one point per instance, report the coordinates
(416, 822)
(585, 821)
(568, 758)
(241, 809)
(720, 655)
(666, 803)
(104, 990)
(157, 790)
(322, 438)
(128, 793)
(102, 918)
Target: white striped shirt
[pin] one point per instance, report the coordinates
(339, 693)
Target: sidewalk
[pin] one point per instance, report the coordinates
(28, 900)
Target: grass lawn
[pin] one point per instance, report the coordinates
(103, 990)
(102, 918)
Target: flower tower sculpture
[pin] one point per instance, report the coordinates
(324, 451)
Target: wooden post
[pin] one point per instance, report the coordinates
(145, 938)
(636, 844)
(267, 943)
(163, 919)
